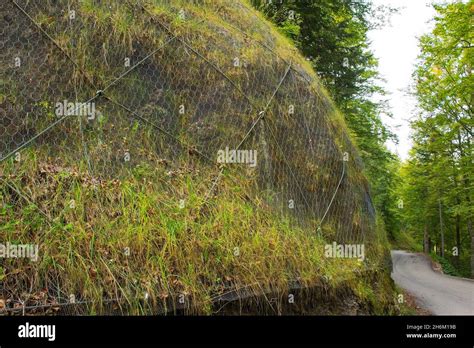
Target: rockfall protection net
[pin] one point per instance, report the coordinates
(76, 92)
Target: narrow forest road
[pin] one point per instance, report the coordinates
(435, 292)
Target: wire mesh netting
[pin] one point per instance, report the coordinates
(86, 96)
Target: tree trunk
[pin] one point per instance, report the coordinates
(441, 229)
(458, 238)
(426, 247)
(466, 183)
(471, 234)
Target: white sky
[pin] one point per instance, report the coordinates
(396, 47)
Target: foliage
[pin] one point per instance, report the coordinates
(447, 267)
(438, 178)
(333, 36)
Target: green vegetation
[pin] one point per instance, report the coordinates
(437, 189)
(123, 239)
(147, 230)
(446, 265)
(333, 37)
(432, 192)
(405, 241)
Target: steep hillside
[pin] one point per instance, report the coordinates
(117, 120)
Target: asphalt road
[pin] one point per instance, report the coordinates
(438, 293)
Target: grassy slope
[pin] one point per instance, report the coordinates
(173, 250)
(200, 250)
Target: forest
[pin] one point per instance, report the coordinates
(426, 201)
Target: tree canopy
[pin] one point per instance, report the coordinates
(438, 177)
(333, 36)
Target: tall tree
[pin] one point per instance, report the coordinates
(440, 171)
(333, 36)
